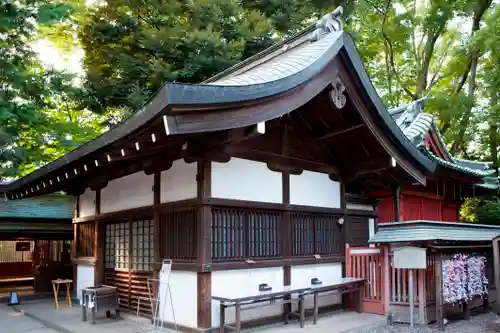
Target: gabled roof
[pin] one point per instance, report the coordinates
(243, 96)
(43, 207)
(426, 231)
(416, 124)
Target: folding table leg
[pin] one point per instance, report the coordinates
(302, 310)
(315, 317)
(222, 317)
(238, 318)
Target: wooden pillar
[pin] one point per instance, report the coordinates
(98, 242)
(157, 259)
(204, 256)
(396, 193)
(422, 299)
(76, 214)
(496, 267)
(386, 294)
(286, 239)
(438, 278)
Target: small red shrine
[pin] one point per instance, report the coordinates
(440, 199)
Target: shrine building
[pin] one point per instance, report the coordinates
(261, 174)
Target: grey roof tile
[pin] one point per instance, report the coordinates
(47, 207)
(415, 231)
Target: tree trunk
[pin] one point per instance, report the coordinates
(481, 7)
(459, 141)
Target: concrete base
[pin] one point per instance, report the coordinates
(69, 320)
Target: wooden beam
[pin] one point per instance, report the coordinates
(157, 165)
(192, 153)
(279, 159)
(285, 169)
(339, 132)
(371, 166)
(242, 134)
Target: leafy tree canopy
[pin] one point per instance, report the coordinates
(40, 116)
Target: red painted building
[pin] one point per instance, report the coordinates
(440, 199)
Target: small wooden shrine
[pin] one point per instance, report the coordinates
(461, 274)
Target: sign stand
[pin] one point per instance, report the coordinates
(410, 258)
(164, 292)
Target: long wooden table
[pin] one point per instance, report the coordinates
(239, 298)
(353, 286)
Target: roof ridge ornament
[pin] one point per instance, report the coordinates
(328, 23)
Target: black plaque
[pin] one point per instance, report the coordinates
(23, 246)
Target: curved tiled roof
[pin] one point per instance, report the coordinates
(297, 59)
(459, 167)
(416, 124)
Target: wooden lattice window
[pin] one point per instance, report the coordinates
(315, 234)
(245, 234)
(178, 234)
(85, 239)
(142, 245)
(117, 246)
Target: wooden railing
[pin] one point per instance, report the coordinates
(399, 282)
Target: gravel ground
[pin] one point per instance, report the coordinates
(482, 323)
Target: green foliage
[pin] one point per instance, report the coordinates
(482, 211)
(132, 48)
(35, 103)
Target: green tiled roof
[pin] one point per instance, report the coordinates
(459, 167)
(421, 231)
(48, 206)
(415, 124)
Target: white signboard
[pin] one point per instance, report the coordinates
(410, 257)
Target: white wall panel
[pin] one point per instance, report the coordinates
(241, 179)
(360, 207)
(184, 298)
(179, 182)
(241, 281)
(314, 189)
(84, 278)
(87, 203)
(132, 191)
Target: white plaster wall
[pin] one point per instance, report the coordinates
(368, 208)
(87, 203)
(179, 182)
(132, 191)
(241, 179)
(242, 281)
(314, 189)
(328, 273)
(184, 299)
(84, 278)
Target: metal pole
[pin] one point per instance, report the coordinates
(412, 300)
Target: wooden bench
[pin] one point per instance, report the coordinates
(352, 286)
(244, 300)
